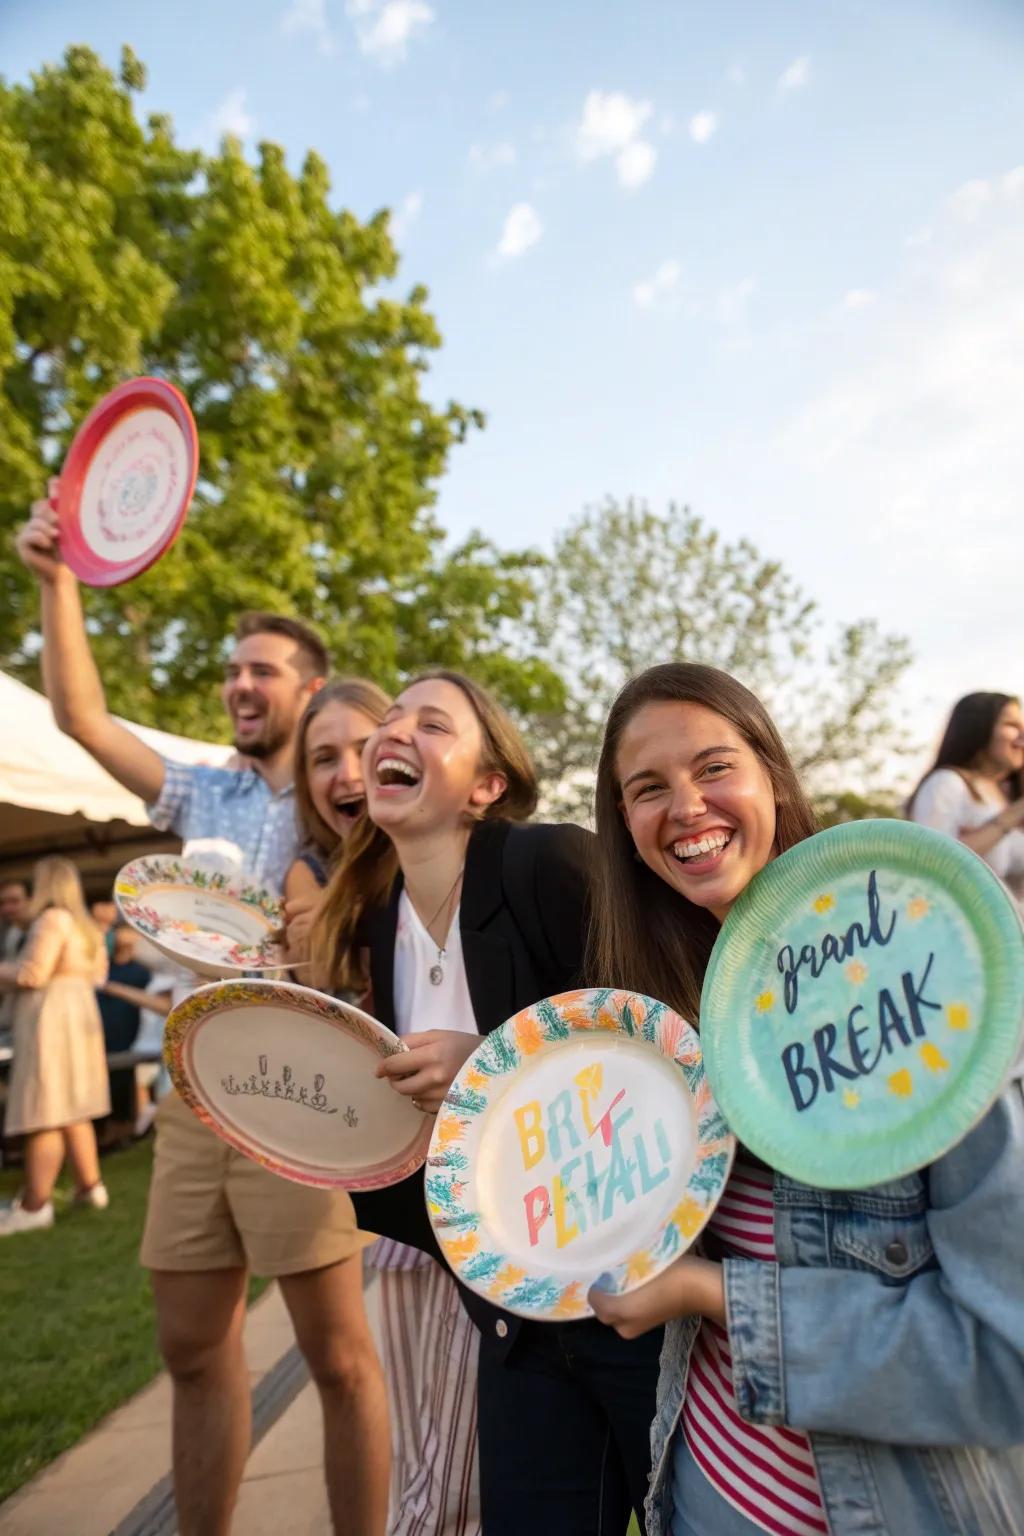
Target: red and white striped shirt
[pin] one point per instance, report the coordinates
(765, 1471)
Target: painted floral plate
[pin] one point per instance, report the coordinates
(579, 1144)
(215, 923)
(127, 482)
(864, 1003)
(286, 1076)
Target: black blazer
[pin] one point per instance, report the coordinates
(523, 918)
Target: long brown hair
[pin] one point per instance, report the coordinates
(314, 833)
(366, 872)
(968, 732)
(55, 883)
(645, 936)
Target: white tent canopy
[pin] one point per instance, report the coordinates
(55, 799)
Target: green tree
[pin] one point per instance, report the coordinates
(628, 587)
(122, 253)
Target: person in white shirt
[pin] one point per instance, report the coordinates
(975, 788)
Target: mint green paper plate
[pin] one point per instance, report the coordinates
(864, 1003)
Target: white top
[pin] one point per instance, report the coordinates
(419, 1005)
(945, 803)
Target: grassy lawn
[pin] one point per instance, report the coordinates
(76, 1319)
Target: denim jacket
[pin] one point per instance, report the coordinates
(891, 1329)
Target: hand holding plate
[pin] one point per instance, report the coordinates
(689, 1287)
(38, 541)
(427, 1069)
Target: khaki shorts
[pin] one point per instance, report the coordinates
(211, 1208)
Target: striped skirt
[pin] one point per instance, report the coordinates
(429, 1349)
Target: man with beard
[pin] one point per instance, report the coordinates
(213, 1216)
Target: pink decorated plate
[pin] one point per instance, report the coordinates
(286, 1076)
(127, 482)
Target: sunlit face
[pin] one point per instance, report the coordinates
(335, 739)
(697, 800)
(422, 766)
(1006, 747)
(265, 692)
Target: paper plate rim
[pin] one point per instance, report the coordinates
(853, 841)
(555, 1297)
(188, 1016)
(132, 394)
(139, 874)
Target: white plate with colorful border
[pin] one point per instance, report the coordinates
(214, 923)
(578, 1145)
(285, 1075)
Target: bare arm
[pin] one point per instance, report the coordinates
(70, 677)
(156, 1002)
(984, 839)
(302, 898)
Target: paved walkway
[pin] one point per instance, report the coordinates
(94, 1489)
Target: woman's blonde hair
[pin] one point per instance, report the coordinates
(365, 874)
(55, 883)
(357, 693)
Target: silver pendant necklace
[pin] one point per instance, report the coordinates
(436, 972)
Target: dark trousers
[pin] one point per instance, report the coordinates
(565, 1430)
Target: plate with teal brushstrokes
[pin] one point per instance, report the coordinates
(580, 1143)
(863, 1005)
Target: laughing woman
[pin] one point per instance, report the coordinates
(804, 1389)
(460, 916)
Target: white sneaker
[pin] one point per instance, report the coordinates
(14, 1218)
(97, 1197)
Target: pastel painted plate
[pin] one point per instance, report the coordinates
(127, 482)
(286, 1076)
(216, 924)
(864, 1003)
(578, 1144)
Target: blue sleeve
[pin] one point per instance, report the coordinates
(170, 809)
(938, 1360)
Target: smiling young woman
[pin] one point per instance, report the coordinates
(807, 1388)
(459, 915)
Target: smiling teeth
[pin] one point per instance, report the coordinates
(702, 846)
(395, 765)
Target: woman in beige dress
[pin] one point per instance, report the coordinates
(59, 1080)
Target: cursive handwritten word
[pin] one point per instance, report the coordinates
(285, 1088)
(834, 946)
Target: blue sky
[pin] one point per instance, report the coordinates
(764, 258)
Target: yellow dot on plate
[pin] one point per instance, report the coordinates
(958, 1016)
(765, 1002)
(933, 1058)
(851, 1098)
(824, 903)
(919, 907)
(856, 972)
(901, 1083)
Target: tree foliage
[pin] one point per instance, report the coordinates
(628, 587)
(123, 253)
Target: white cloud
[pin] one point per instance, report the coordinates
(409, 210)
(922, 236)
(859, 298)
(231, 117)
(914, 447)
(385, 28)
(702, 126)
(492, 157)
(521, 230)
(795, 75)
(610, 122)
(969, 201)
(309, 16)
(659, 286)
(635, 164)
(610, 126)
